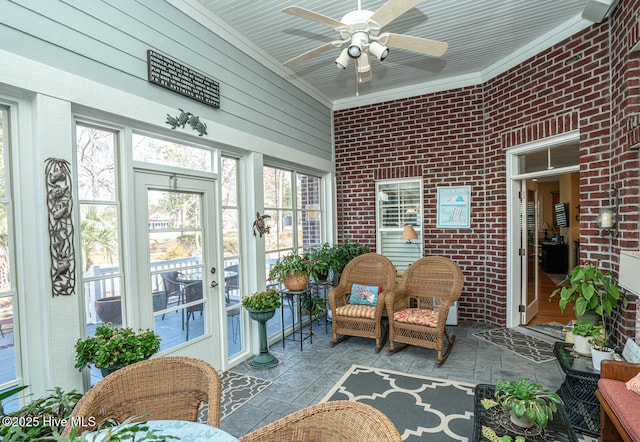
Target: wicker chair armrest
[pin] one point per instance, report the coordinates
(443, 312)
(618, 370)
(337, 296)
(396, 300)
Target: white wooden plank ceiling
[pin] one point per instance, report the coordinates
(485, 38)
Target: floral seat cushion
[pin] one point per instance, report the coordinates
(357, 311)
(418, 316)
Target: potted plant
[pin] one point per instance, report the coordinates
(261, 307)
(591, 289)
(314, 305)
(527, 402)
(582, 332)
(292, 270)
(267, 300)
(345, 252)
(321, 260)
(113, 347)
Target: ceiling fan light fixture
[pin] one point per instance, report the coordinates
(378, 50)
(358, 40)
(343, 60)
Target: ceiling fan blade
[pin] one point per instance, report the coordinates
(416, 44)
(309, 54)
(313, 16)
(392, 10)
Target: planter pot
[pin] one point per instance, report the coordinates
(261, 315)
(109, 309)
(106, 371)
(582, 345)
(295, 283)
(522, 422)
(322, 277)
(265, 359)
(597, 356)
(589, 316)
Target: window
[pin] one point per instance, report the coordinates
(293, 201)
(167, 153)
(231, 244)
(99, 225)
(399, 203)
(8, 321)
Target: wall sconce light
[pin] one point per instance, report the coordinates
(409, 233)
(608, 215)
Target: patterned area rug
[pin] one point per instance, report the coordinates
(553, 329)
(529, 347)
(422, 408)
(237, 389)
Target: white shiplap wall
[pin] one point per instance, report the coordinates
(107, 40)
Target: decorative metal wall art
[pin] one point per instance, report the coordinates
(187, 118)
(260, 226)
(59, 204)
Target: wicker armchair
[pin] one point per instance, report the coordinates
(418, 310)
(171, 387)
(336, 421)
(369, 269)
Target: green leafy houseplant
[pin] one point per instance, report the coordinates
(315, 305)
(291, 264)
(590, 288)
(116, 347)
(266, 300)
(321, 260)
(528, 399)
(584, 328)
(345, 252)
(45, 419)
(40, 419)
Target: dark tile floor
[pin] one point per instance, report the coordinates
(304, 377)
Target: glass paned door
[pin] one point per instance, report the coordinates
(529, 237)
(174, 225)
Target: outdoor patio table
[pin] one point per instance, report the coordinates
(557, 430)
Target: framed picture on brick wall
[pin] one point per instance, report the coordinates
(454, 207)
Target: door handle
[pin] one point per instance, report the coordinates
(213, 284)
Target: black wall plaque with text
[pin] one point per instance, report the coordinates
(172, 75)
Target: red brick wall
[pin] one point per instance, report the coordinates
(459, 137)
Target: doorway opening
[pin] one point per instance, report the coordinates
(543, 227)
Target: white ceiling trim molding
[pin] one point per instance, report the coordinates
(409, 91)
(211, 21)
(569, 28)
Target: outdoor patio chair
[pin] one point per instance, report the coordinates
(372, 273)
(192, 292)
(172, 287)
(335, 421)
(170, 387)
(418, 309)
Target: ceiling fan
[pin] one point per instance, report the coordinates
(361, 30)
